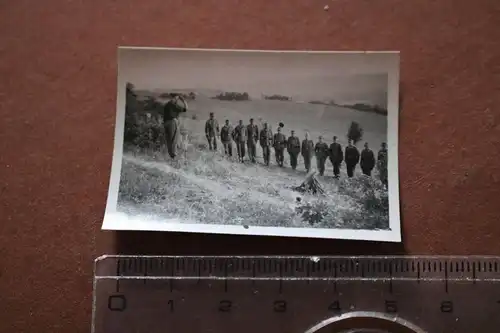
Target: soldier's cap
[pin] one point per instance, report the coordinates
(179, 102)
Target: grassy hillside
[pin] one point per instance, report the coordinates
(206, 187)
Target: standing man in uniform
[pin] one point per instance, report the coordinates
(321, 150)
(171, 112)
(293, 147)
(212, 131)
(351, 158)
(266, 142)
(225, 138)
(240, 137)
(336, 156)
(253, 137)
(367, 160)
(279, 146)
(382, 163)
(307, 151)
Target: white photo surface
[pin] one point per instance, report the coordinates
(276, 143)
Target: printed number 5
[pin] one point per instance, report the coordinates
(391, 306)
(279, 306)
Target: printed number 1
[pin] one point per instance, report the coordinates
(171, 305)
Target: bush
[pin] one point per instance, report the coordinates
(132, 130)
(373, 200)
(355, 132)
(313, 213)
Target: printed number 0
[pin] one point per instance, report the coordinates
(117, 303)
(225, 306)
(280, 306)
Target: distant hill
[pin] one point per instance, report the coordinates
(277, 97)
(356, 106)
(232, 96)
(366, 108)
(188, 96)
(321, 102)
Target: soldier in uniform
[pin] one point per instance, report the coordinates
(336, 156)
(382, 163)
(253, 137)
(240, 138)
(212, 131)
(293, 147)
(171, 112)
(279, 146)
(351, 158)
(225, 137)
(266, 142)
(307, 151)
(367, 162)
(321, 150)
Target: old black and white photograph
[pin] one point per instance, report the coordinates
(247, 142)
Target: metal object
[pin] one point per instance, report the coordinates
(151, 294)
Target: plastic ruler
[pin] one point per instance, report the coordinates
(169, 294)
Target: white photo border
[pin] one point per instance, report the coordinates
(114, 220)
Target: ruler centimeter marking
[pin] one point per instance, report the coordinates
(331, 268)
(325, 279)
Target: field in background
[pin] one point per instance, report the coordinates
(206, 187)
(302, 117)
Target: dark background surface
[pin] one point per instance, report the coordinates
(57, 103)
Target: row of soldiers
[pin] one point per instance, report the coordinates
(247, 137)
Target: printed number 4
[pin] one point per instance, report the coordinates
(335, 306)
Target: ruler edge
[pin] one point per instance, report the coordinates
(315, 259)
(311, 257)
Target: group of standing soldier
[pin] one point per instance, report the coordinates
(246, 137)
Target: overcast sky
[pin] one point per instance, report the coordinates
(341, 76)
